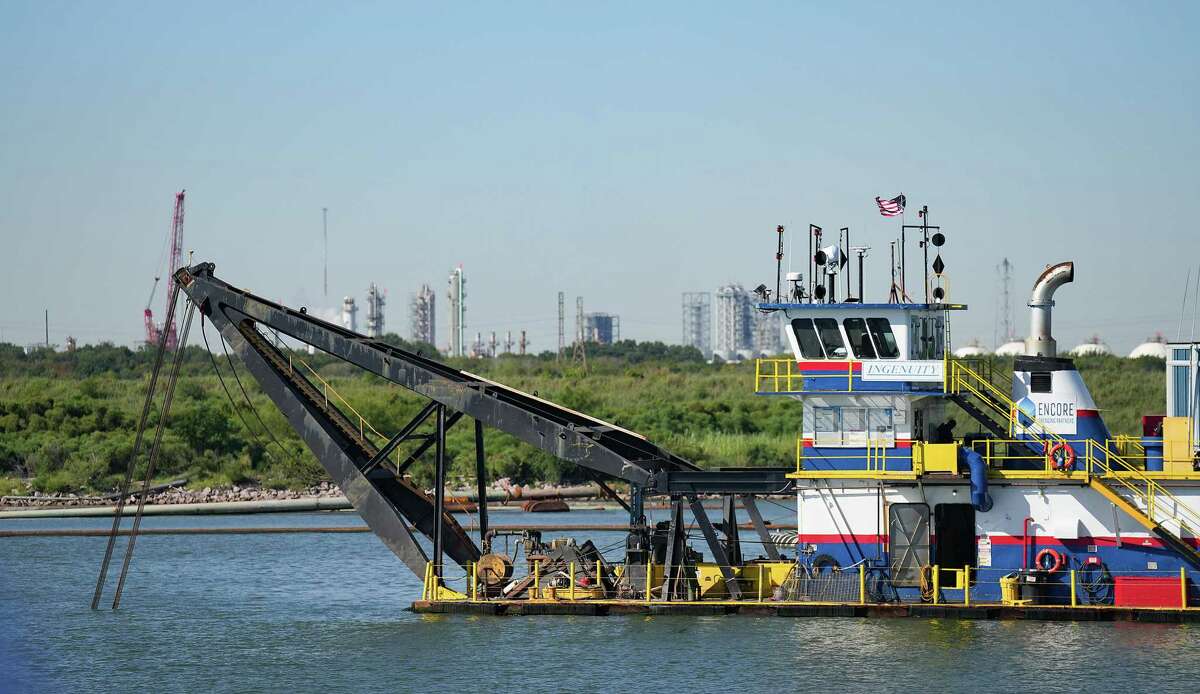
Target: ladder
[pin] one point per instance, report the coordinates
(1128, 487)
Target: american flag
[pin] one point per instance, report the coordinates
(893, 207)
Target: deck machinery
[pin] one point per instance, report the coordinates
(896, 502)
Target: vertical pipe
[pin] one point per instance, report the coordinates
(967, 585)
(862, 584)
(1074, 600)
(811, 286)
(481, 480)
(439, 490)
(937, 576)
(925, 245)
(1182, 588)
(861, 299)
(846, 254)
(1025, 543)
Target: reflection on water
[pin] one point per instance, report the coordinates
(327, 613)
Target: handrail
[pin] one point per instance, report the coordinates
(327, 388)
(962, 377)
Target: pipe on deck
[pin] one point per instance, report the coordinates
(1041, 341)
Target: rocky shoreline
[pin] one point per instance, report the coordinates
(176, 495)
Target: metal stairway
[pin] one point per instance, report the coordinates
(1128, 487)
(979, 397)
(1168, 538)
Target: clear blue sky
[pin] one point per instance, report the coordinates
(624, 153)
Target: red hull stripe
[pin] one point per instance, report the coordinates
(900, 443)
(1087, 413)
(837, 366)
(1039, 540)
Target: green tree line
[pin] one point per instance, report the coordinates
(68, 419)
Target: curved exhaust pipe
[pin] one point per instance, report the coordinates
(1040, 342)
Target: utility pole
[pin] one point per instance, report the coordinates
(523, 343)
(579, 352)
(561, 336)
(47, 318)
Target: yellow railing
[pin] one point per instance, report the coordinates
(1098, 459)
(784, 376)
(876, 455)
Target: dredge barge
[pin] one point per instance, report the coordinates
(1029, 507)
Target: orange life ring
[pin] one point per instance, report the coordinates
(1055, 557)
(1061, 456)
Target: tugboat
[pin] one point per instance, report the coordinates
(933, 471)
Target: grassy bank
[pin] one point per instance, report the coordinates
(68, 420)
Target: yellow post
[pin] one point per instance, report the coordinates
(937, 577)
(600, 580)
(474, 588)
(760, 582)
(850, 376)
(1074, 601)
(572, 588)
(537, 579)
(862, 585)
(649, 565)
(1182, 588)
(967, 585)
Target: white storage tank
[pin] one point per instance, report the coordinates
(1094, 347)
(1154, 347)
(1011, 349)
(972, 349)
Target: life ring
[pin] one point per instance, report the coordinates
(1056, 560)
(825, 564)
(1061, 456)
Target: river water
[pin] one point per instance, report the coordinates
(326, 613)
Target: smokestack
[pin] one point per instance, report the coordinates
(1040, 342)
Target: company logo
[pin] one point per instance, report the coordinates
(1027, 407)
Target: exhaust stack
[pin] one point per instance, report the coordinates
(1040, 342)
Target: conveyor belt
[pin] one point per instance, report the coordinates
(384, 499)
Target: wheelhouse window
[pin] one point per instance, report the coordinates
(806, 337)
(860, 341)
(882, 426)
(885, 341)
(853, 427)
(827, 426)
(831, 338)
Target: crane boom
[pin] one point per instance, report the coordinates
(174, 261)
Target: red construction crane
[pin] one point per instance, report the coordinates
(154, 332)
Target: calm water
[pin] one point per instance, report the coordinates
(327, 613)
